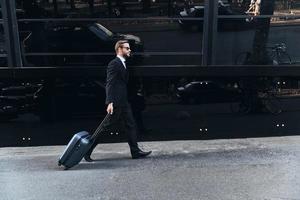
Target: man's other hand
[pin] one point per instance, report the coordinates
(110, 108)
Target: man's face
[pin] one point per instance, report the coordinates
(125, 49)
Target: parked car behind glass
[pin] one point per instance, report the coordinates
(205, 92)
(78, 38)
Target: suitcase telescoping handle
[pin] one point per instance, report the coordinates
(98, 130)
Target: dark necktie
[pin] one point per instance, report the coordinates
(125, 64)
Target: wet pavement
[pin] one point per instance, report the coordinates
(255, 168)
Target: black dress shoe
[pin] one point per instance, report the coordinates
(140, 154)
(88, 158)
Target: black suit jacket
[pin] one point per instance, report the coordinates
(116, 83)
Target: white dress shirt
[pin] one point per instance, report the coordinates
(122, 59)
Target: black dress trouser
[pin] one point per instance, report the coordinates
(121, 120)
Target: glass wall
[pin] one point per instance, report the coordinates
(210, 108)
(257, 32)
(82, 33)
(172, 95)
(3, 52)
(164, 109)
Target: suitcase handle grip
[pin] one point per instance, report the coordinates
(99, 128)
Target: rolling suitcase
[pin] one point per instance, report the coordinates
(78, 146)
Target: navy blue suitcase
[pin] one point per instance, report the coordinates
(78, 146)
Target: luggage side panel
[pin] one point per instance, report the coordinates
(79, 152)
(73, 146)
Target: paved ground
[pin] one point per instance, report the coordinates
(264, 168)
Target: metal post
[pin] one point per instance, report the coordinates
(209, 32)
(11, 32)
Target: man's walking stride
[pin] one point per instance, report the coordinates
(117, 101)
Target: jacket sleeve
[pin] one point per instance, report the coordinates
(112, 72)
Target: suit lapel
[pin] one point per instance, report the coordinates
(124, 71)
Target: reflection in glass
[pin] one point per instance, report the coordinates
(99, 8)
(155, 41)
(163, 107)
(212, 108)
(3, 52)
(74, 44)
(266, 40)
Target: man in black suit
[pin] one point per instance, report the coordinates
(117, 101)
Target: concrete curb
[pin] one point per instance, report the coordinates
(166, 147)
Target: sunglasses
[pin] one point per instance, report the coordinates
(127, 48)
